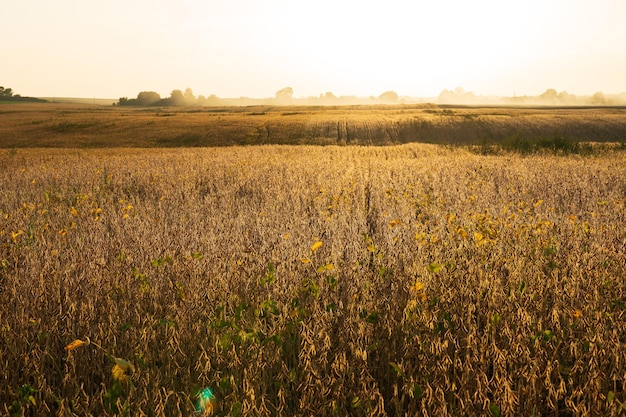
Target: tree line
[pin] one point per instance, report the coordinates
(284, 96)
(550, 97)
(176, 98)
(6, 94)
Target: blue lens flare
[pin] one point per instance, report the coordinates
(206, 402)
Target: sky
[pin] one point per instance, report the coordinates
(253, 48)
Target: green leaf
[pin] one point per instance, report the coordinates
(372, 318)
(434, 267)
(495, 410)
(311, 287)
(417, 391)
(356, 402)
(396, 368)
(236, 409)
(332, 282)
(268, 307)
(270, 276)
(495, 319)
(168, 323)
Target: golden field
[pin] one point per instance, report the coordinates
(73, 126)
(413, 279)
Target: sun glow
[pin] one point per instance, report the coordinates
(254, 48)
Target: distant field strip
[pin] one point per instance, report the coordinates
(58, 125)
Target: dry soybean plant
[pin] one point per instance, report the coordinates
(280, 280)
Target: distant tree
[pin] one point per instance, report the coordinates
(8, 95)
(285, 92)
(147, 98)
(284, 95)
(177, 98)
(458, 96)
(549, 95)
(189, 97)
(566, 98)
(125, 101)
(598, 99)
(446, 96)
(212, 100)
(6, 92)
(388, 96)
(330, 96)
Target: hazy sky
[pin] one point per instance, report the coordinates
(233, 48)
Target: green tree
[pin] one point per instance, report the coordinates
(147, 98)
(177, 98)
(189, 97)
(6, 92)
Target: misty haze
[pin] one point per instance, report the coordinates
(279, 208)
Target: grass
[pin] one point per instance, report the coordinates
(300, 280)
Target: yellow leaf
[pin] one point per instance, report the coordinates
(305, 260)
(417, 286)
(74, 345)
(74, 211)
(327, 267)
(118, 373)
(316, 246)
(371, 248)
(395, 222)
(17, 234)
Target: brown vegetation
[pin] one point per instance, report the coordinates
(56, 125)
(401, 280)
